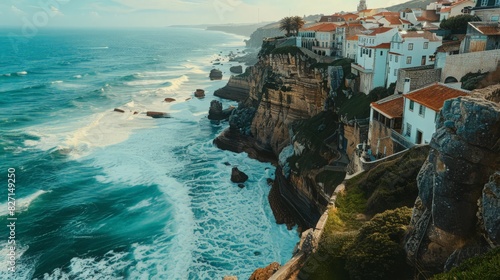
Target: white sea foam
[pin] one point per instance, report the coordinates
(22, 73)
(143, 204)
(22, 204)
(57, 82)
(145, 82)
(77, 76)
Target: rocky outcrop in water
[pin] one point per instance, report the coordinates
(238, 176)
(215, 74)
(217, 113)
(199, 93)
(236, 69)
(157, 115)
(237, 89)
(265, 273)
(465, 154)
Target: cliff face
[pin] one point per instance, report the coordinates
(465, 153)
(283, 87)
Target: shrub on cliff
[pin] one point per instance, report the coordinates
(486, 267)
(377, 252)
(458, 24)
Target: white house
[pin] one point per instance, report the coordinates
(457, 8)
(319, 38)
(411, 49)
(421, 108)
(371, 58)
(351, 47)
(343, 32)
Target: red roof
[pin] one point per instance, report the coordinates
(379, 30)
(392, 107)
(381, 46)
(352, 38)
(435, 95)
(322, 27)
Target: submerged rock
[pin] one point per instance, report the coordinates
(157, 115)
(237, 176)
(119, 110)
(169, 100)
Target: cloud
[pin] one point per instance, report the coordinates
(56, 11)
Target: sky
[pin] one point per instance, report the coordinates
(159, 13)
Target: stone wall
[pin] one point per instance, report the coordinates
(355, 134)
(458, 65)
(419, 77)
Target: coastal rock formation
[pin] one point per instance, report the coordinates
(215, 74)
(217, 113)
(265, 273)
(465, 152)
(237, 89)
(169, 100)
(491, 209)
(236, 69)
(237, 176)
(283, 87)
(199, 93)
(157, 115)
(119, 110)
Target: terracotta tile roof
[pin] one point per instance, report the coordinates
(450, 46)
(435, 95)
(322, 27)
(445, 10)
(385, 14)
(379, 30)
(391, 107)
(420, 34)
(429, 15)
(381, 46)
(486, 28)
(352, 38)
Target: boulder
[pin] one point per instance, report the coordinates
(236, 69)
(237, 176)
(215, 74)
(230, 278)
(265, 273)
(169, 100)
(119, 110)
(199, 93)
(241, 186)
(490, 208)
(216, 112)
(157, 115)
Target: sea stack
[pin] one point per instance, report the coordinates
(215, 74)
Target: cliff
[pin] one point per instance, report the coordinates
(285, 87)
(237, 88)
(456, 214)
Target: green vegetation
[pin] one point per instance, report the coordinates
(291, 25)
(376, 252)
(392, 184)
(293, 50)
(331, 179)
(458, 24)
(381, 92)
(471, 80)
(311, 133)
(358, 106)
(485, 267)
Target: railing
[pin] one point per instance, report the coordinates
(400, 139)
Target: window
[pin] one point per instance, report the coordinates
(361, 52)
(408, 60)
(497, 2)
(412, 105)
(432, 58)
(426, 45)
(395, 72)
(421, 110)
(408, 129)
(410, 46)
(396, 59)
(381, 53)
(390, 58)
(370, 54)
(484, 3)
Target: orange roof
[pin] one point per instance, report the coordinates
(445, 10)
(435, 95)
(486, 28)
(381, 46)
(391, 107)
(379, 30)
(322, 27)
(352, 38)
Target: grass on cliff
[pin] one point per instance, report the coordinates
(358, 106)
(293, 50)
(485, 267)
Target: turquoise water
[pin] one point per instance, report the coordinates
(105, 195)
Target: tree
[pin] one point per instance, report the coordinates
(286, 24)
(297, 24)
(291, 25)
(458, 24)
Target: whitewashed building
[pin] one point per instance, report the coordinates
(411, 49)
(371, 58)
(421, 109)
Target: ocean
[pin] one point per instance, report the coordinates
(107, 195)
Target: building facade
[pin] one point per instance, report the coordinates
(487, 10)
(411, 49)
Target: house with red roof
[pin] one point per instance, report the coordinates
(421, 110)
(318, 38)
(345, 31)
(371, 59)
(456, 8)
